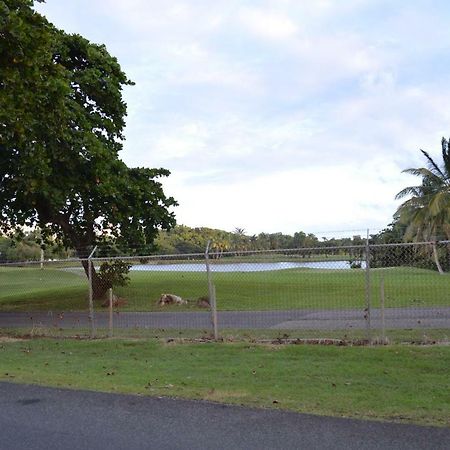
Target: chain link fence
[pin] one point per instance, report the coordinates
(367, 294)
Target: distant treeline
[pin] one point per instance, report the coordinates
(180, 240)
(183, 239)
(27, 247)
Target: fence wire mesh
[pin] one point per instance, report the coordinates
(371, 293)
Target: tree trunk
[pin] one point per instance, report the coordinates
(436, 259)
(99, 287)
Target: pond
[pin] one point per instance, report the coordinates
(243, 267)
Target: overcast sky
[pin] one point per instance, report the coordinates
(277, 115)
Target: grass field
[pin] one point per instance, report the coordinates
(398, 383)
(32, 289)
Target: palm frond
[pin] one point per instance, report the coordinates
(446, 155)
(410, 190)
(433, 165)
(427, 175)
(439, 203)
(426, 213)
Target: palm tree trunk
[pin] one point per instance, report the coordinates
(436, 259)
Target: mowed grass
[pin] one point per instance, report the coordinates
(33, 289)
(28, 289)
(398, 383)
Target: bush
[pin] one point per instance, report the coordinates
(114, 273)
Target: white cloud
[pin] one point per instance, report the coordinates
(267, 24)
(277, 115)
(298, 199)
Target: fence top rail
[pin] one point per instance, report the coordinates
(409, 244)
(154, 257)
(231, 253)
(325, 249)
(201, 256)
(38, 262)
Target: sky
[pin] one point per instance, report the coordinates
(277, 115)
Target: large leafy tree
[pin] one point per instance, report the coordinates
(61, 122)
(427, 212)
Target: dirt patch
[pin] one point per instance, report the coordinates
(268, 342)
(10, 339)
(220, 395)
(116, 303)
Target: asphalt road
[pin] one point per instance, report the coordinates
(338, 319)
(35, 418)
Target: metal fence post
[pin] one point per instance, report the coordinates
(42, 259)
(91, 296)
(110, 296)
(212, 294)
(368, 292)
(383, 323)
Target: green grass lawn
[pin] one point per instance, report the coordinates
(33, 289)
(398, 383)
(28, 289)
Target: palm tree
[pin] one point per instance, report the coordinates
(427, 212)
(239, 240)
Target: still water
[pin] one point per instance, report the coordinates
(243, 267)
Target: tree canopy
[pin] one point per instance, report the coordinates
(427, 212)
(62, 117)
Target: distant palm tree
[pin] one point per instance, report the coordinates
(427, 212)
(239, 239)
(219, 247)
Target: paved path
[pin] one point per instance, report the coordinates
(314, 319)
(35, 418)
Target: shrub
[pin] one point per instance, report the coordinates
(114, 273)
